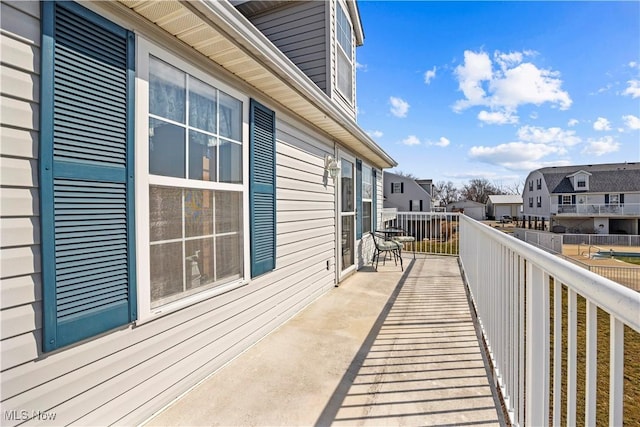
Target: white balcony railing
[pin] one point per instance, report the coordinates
(625, 209)
(513, 286)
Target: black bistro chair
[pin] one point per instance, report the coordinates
(382, 246)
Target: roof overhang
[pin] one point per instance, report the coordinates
(221, 33)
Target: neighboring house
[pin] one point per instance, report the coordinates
(167, 193)
(475, 210)
(406, 194)
(501, 205)
(603, 198)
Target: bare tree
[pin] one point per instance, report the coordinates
(514, 188)
(479, 190)
(405, 174)
(445, 192)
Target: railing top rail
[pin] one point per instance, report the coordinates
(621, 302)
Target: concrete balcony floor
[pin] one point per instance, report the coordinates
(383, 348)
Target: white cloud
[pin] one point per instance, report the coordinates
(633, 90)
(361, 67)
(573, 122)
(514, 155)
(599, 147)
(429, 75)
(631, 122)
(533, 115)
(554, 136)
(375, 133)
(602, 124)
(476, 69)
(497, 117)
(399, 107)
(511, 84)
(411, 140)
(442, 142)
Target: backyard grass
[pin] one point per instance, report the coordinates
(631, 391)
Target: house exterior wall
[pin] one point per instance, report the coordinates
(126, 374)
(531, 191)
(410, 196)
(300, 31)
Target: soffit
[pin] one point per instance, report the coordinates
(218, 31)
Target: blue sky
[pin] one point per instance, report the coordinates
(462, 89)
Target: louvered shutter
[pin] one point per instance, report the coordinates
(559, 199)
(262, 188)
(573, 199)
(86, 175)
(358, 199)
(606, 199)
(622, 199)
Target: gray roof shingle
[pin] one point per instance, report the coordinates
(605, 178)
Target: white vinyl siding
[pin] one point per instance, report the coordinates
(21, 309)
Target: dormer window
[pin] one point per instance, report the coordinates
(582, 182)
(344, 54)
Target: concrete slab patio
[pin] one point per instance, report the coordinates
(383, 348)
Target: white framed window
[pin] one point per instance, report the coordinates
(397, 187)
(566, 200)
(539, 201)
(614, 199)
(582, 182)
(530, 202)
(192, 191)
(367, 198)
(344, 54)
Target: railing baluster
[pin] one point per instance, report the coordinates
(616, 371)
(592, 364)
(537, 346)
(572, 329)
(557, 351)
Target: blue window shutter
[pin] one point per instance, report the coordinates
(374, 200)
(621, 199)
(358, 199)
(262, 188)
(606, 199)
(86, 175)
(410, 205)
(559, 199)
(573, 199)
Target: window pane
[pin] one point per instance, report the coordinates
(228, 212)
(202, 105)
(166, 91)
(230, 117)
(166, 149)
(199, 266)
(230, 162)
(198, 213)
(366, 217)
(347, 241)
(166, 271)
(346, 171)
(202, 156)
(345, 79)
(229, 257)
(165, 211)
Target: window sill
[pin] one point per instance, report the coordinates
(159, 312)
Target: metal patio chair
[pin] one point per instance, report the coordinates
(405, 238)
(382, 246)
